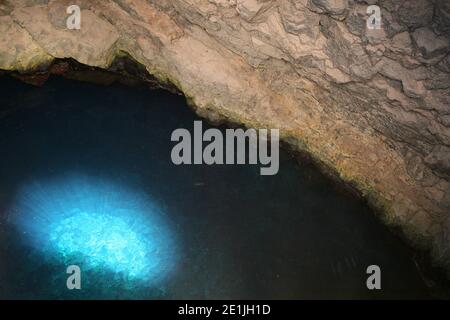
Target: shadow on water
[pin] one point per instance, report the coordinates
(240, 235)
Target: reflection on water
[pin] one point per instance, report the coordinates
(86, 178)
(96, 225)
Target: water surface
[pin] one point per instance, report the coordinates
(71, 148)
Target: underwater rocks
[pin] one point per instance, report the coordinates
(370, 106)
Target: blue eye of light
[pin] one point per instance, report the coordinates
(105, 241)
(98, 226)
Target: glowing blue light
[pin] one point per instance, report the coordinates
(98, 226)
(105, 241)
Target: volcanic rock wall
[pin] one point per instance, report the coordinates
(371, 105)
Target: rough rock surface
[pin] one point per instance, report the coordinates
(371, 105)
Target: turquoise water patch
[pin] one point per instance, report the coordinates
(105, 241)
(100, 226)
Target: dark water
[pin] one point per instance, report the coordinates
(238, 234)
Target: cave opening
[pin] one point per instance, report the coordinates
(224, 231)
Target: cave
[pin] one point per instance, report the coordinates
(91, 94)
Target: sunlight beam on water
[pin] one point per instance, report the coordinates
(98, 226)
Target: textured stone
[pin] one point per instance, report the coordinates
(416, 13)
(249, 9)
(333, 7)
(443, 16)
(401, 43)
(25, 54)
(429, 44)
(439, 159)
